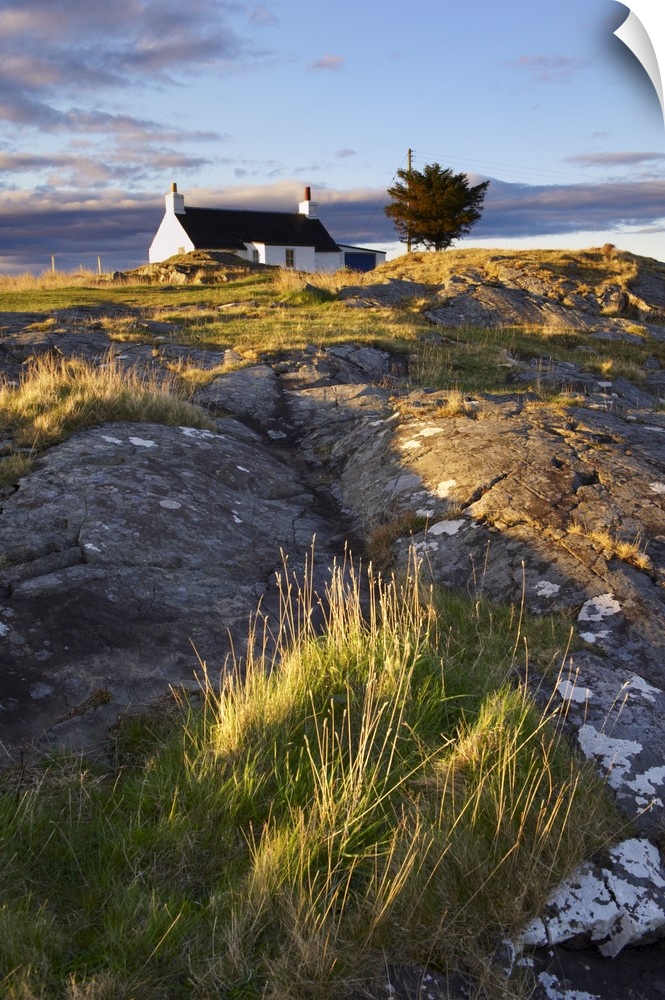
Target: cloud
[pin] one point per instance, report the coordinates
(25, 161)
(76, 226)
(328, 62)
(308, 168)
(513, 210)
(551, 68)
(126, 126)
(614, 159)
(251, 168)
(54, 49)
(79, 170)
(66, 61)
(263, 17)
(343, 153)
(113, 34)
(120, 225)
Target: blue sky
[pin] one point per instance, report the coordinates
(104, 104)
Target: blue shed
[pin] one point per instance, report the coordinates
(361, 258)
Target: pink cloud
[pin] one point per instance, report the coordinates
(328, 62)
(553, 68)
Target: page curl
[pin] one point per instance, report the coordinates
(643, 32)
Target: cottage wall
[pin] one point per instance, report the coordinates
(304, 258)
(169, 239)
(328, 262)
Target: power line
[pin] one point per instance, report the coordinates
(535, 172)
(507, 166)
(384, 195)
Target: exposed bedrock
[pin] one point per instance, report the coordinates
(132, 552)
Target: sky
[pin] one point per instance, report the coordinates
(104, 104)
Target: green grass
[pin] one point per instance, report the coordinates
(268, 313)
(44, 296)
(262, 331)
(476, 360)
(385, 794)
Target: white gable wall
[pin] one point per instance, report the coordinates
(169, 239)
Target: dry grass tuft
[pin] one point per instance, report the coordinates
(48, 279)
(382, 537)
(375, 792)
(614, 547)
(57, 396)
(584, 269)
(454, 403)
(288, 280)
(13, 467)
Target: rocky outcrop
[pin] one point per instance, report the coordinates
(603, 292)
(563, 510)
(129, 552)
(200, 267)
(132, 552)
(516, 499)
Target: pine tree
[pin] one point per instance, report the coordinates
(434, 207)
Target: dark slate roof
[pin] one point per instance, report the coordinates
(230, 229)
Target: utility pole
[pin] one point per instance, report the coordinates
(409, 154)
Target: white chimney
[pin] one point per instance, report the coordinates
(309, 207)
(175, 203)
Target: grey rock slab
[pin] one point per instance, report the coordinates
(128, 547)
(618, 721)
(651, 289)
(346, 364)
(633, 394)
(199, 358)
(503, 306)
(337, 404)
(62, 341)
(512, 499)
(502, 496)
(565, 376)
(392, 292)
(251, 393)
(368, 360)
(612, 906)
(563, 972)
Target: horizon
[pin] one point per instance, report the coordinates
(103, 109)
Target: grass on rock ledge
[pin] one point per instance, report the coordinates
(56, 397)
(384, 794)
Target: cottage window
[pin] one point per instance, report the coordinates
(290, 257)
(255, 256)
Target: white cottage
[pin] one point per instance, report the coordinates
(288, 239)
